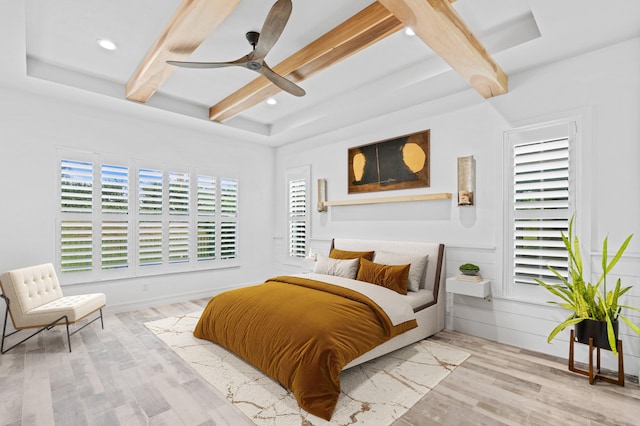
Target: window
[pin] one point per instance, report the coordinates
(297, 218)
(298, 207)
(229, 222)
(114, 202)
(206, 211)
(119, 219)
(76, 207)
(541, 201)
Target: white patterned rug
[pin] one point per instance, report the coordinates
(374, 393)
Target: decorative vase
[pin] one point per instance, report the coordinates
(469, 272)
(597, 330)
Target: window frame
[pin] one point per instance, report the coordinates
(134, 219)
(302, 173)
(567, 127)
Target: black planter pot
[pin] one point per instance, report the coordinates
(596, 330)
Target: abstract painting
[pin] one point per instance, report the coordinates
(398, 163)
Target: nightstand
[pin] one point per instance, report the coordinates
(469, 288)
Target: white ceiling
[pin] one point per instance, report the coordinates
(393, 74)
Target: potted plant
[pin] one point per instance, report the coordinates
(469, 269)
(590, 304)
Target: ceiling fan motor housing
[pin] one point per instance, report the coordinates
(252, 38)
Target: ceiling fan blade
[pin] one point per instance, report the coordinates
(238, 62)
(281, 82)
(272, 29)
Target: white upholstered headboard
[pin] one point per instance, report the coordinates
(432, 277)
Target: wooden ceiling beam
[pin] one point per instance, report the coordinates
(365, 28)
(188, 28)
(442, 29)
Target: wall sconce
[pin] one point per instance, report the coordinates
(322, 195)
(466, 181)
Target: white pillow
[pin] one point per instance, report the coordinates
(418, 263)
(347, 268)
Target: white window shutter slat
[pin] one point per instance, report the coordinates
(150, 192)
(179, 193)
(206, 195)
(115, 244)
(206, 240)
(297, 197)
(76, 186)
(114, 181)
(541, 198)
(178, 241)
(228, 197)
(150, 243)
(228, 240)
(76, 246)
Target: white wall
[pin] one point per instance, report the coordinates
(601, 87)
(31, 126)
(36, 116)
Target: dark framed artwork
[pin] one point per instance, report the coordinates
(398, 163)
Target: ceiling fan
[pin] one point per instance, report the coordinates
(262, 43)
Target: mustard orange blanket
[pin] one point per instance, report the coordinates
(300, 332)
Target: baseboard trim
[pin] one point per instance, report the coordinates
(168, 299)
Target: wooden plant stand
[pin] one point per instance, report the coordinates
(593, 375)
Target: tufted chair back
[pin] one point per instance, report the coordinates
(29, 288)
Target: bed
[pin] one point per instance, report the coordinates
(304, 329)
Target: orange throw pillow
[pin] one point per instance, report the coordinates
(395, 278)
(343, 254)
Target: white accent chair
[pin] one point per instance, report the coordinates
(34, 300)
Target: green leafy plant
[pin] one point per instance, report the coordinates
(584, 299)
(469, 267)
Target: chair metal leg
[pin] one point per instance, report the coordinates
(68, 336)
(4, 327)
(46, 327)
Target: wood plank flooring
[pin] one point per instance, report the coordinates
(124, 375)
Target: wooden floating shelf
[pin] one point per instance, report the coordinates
(423, 197)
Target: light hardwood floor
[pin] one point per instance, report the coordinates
(124, 375)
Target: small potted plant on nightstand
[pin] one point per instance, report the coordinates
(469, 269)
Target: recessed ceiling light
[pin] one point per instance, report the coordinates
(409, 31)
(271, 101)
(106, 44)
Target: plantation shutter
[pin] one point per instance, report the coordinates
(178, 193)
(228, 197)
(178, 241)
(206, 240)
(114, 183)
(179, 221)
(228, 223)
(76, 187)
(76, 246)
(541, 203)
(297, 218)
(150, 191)
(115, 244)
(150, 243)
(206, 200)
(76, 207)
(207, 195)
(115, 188)
(228, 240)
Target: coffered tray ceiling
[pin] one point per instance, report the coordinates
(353, 58)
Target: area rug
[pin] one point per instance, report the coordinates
(374, 393)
